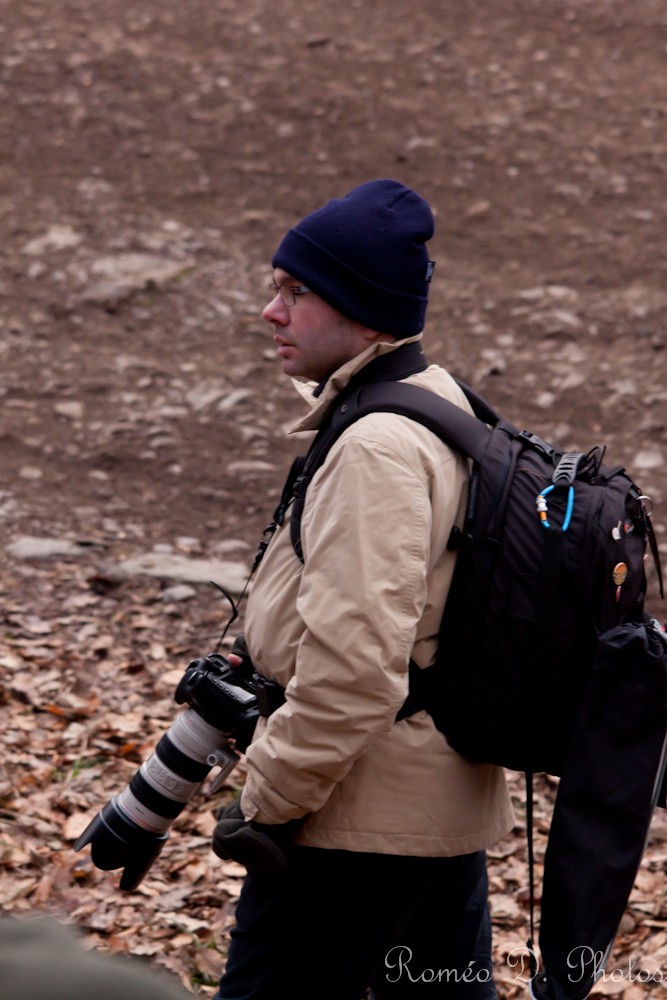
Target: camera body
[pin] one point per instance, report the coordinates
(223, 696)
(131, 829)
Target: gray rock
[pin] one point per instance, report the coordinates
(179, 592)
(70, 408)
(124, 274)
(249, 467)
(649, 458)
(170, 566)
(28, 547)
(55, 238)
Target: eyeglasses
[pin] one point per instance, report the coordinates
(288, 293)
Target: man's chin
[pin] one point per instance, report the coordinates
(293, 369)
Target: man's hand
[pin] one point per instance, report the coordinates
(258, 846)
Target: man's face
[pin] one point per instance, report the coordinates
(312, 338)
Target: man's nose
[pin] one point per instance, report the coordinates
(276, 311)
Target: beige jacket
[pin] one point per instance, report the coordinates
(338, 631)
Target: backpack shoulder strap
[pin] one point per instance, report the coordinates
(462, 431)
(459, 429)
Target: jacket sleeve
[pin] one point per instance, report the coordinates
(367, 542)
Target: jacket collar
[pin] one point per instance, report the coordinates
(320, 397)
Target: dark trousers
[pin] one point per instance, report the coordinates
(335, 925)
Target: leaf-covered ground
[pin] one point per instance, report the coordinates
(89, 671)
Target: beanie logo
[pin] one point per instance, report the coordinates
(430, 268)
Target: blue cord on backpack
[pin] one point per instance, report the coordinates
(543, 512)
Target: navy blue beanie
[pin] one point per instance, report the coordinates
(365, 255)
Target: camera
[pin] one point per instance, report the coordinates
(132, 828)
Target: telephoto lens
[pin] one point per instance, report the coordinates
(132, 828)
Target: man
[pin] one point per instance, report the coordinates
(363, 836)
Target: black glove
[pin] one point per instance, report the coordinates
(258, 846)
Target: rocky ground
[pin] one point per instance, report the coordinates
(151, 156)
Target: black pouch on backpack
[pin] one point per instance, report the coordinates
(610, 786)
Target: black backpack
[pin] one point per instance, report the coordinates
(549, 662)
(550, 556)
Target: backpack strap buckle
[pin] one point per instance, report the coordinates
(536, 442)
(270, 694)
